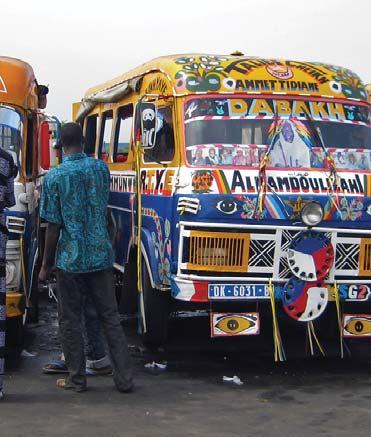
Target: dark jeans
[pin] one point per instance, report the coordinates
(92, 331)
(71, 289)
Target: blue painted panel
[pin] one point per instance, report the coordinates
(283, 210)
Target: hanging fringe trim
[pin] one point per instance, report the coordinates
(312, 335)
(339, 316)
(279, 353)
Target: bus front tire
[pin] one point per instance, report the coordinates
(14, 332)
(156, 310)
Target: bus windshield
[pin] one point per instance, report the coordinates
(11, 128)
(238, 132)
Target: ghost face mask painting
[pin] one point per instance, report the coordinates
(289, 150)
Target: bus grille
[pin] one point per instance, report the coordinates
(261, 253)
(218, 251)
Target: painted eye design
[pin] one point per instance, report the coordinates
(229, 83)
(227, 206)
(335, 87)
(359, 326)
(235, 324)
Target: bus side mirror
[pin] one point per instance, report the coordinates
(44, 145)
(50, 150)
(145, 121)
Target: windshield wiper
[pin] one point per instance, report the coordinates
(330, 160)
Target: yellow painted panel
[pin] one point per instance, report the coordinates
(14, 304)
(364, 262)
(198, 72)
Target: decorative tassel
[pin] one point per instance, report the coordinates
(279, 353)
(312, 335)
(338, 312)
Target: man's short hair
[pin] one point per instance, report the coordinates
(71, 135)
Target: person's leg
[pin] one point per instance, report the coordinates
(97, 361)
(3, 240)
(70, 295)
(100, 286)
(2, 331)
(93, 336)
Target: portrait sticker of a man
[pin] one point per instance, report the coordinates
(289, 150)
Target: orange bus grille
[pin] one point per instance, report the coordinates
(218, 251)
(365, 257)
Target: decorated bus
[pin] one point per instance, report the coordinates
(240, 187)
(28, 135)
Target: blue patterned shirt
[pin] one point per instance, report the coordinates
(75, 196)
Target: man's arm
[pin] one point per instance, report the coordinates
(50, 211)
(51, 240)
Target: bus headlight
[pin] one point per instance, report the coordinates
(11, 271)
(13, 265)
(312, 214)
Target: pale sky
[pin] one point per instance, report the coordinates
(75, 44)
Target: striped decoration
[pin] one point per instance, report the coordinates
(367, 185)
(275, 209)
(268, 117)
(221, 182)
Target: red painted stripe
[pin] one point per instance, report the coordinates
(201, 292)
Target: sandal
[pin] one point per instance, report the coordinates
(55, 366)
(64, 384)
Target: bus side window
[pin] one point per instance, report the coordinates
(164, 149)
(124, 124)
(105, 135)
(91, 131)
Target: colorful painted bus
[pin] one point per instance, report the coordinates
(253, 191)
(26, 133)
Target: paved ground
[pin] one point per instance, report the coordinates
(301, 398)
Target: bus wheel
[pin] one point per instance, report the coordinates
(14, 332)
(14, 341)
(156, 310)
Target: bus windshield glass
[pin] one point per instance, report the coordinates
(239, 131)
(11, 128)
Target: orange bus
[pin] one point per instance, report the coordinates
(29, 135)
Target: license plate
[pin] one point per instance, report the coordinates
(355, 292)
(238, 291)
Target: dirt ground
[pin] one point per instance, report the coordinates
(302, 397)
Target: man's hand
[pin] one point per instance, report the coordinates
(51, 239)
(45, 273)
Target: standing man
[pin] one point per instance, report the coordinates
(8, 171)
(74, 203)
